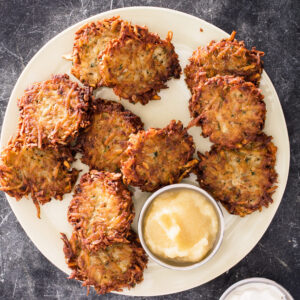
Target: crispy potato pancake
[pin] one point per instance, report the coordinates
(113, 268)
(43, 173)
(241, 179)
(229, 110)
(90, 41)
(104, 142)
(227, 57)
(101, 210)
(53, 111)
(158, 157)
(138, 64)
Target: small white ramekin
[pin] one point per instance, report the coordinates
(218, 239)
(256, 280)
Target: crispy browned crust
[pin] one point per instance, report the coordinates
(53, 111)
(104, 142)
(241, 179)
(43, 173)
(158, 157)
(101, 210)
(90, 40)
(138, 64)
(230, 111)
(227, 57)
(110, 269)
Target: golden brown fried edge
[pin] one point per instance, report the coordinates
(158, 157)
(108, 276)
(230, 111)
(221, 164)
(103, 148)
(90, 38)
(101, 210)
(22, 172)
(234, 56)
(141, 89)
(37, 127)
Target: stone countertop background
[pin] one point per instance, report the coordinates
(269, 25)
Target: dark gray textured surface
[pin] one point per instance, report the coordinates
(269, 25)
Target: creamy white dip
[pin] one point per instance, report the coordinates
(256, 291)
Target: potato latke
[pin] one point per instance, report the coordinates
(53, 111)
(104, 142)
(227, 57)
(229, 110)
(109, 269)
(101, 209)
(90, 40)
(138, 64)
(43, 173)
(241, 179)
(158, 157)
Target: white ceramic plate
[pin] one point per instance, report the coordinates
(241, 234)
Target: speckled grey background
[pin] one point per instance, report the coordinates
(271, 26)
